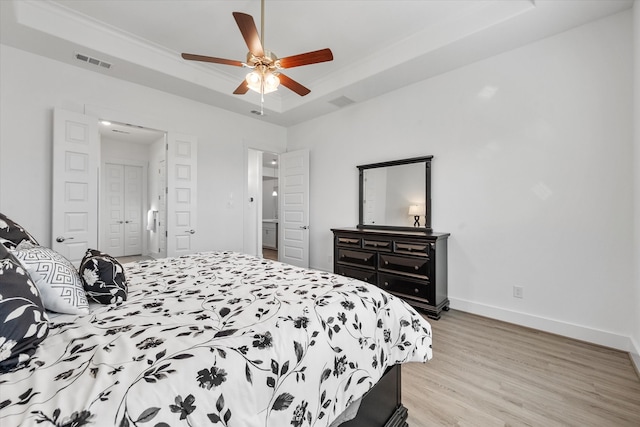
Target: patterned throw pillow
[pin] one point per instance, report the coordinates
(56, 278)
(11, 233)
(23, 321)
(103, 278)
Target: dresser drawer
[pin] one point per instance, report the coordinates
(378, 245)
(348, 242)
(368, 276)
(405, 286)
(418, 267)
(412, 248)
(358, 258)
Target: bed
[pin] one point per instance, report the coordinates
(225, 339)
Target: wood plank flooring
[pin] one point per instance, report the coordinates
(133, 258)
(490, 373)
(270, 254)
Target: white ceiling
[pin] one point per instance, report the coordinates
(378, 45)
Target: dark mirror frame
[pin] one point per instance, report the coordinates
(427, 226)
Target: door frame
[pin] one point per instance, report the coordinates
(106, 113)
(252, 244)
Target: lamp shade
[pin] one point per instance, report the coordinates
(262, 81)
(416, 210)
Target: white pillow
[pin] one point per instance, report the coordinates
(58, 281)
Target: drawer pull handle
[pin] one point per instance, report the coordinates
(366, 279)
(348, 241)
(386, 263)
(411, 248)
(416, 267)
(416, 290)
(386, 284)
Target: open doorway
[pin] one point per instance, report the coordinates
(261, 214)
(270, 218)
(133, 205)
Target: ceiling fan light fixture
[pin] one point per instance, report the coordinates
(262, 81)
(271, 82)
(266, 75)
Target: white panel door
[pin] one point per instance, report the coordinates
(294, 207)
(182, 193)
(122, 209)
(132, 192)
(76, 160)
(113, 210)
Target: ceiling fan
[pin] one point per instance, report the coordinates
(266, 74)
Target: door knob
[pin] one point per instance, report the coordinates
(61, 239)
(304, 227)
(191, 231)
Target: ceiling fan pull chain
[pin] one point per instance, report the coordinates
(262, 95)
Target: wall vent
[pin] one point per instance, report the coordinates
(342, 101)
(94, 61)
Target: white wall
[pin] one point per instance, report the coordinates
(121, 151)
(636, 168)
(534, 182)
(32, 86)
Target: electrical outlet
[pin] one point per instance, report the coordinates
(517, 292)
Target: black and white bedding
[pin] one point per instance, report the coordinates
(220, 339)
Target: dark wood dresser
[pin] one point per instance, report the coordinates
(409, 264)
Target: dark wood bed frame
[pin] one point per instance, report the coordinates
(382, 405)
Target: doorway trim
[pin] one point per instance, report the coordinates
(252, 243)
(116, 115)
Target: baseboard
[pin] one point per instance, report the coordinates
(595, 336)
(634, 354)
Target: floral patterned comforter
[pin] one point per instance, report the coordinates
(220, 339)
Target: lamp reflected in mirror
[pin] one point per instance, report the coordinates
(416, 211)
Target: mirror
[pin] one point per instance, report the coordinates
(396, 195)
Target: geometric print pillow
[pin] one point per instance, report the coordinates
(103, 278)
(11, 233)
(56, 278)
(23, 320)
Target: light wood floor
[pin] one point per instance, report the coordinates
(133, 258)
(270, 254)
(490, 373)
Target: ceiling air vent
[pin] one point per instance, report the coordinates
(342, 101)
(94, 61)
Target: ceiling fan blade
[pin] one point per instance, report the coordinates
(322, 55)
(242, 89)
(250, 33)
(192, 57)
(293, 85)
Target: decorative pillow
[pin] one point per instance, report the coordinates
(103, 278)
(23, 320)
(11, 234)
(56, 278)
